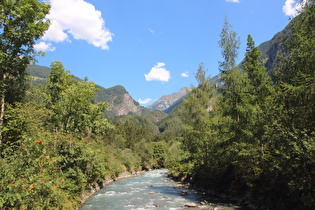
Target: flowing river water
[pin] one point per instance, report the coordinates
(152, 190)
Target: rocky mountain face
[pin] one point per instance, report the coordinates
(121, 102)
(168, 100)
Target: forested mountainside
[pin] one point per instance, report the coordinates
(121, 103)
(273, 49)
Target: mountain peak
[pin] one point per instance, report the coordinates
(168, 100)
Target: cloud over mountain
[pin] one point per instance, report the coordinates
(291, 7)
(158, 73)
(144, 101)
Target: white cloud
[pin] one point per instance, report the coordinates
(234, 1)
(291, 7)
(185, 74)
(80, 20)
(144, 101)
(43, 46)
(158, 73)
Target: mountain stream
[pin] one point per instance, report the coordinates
(152, 190)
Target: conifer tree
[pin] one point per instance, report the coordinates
(197, 114)
(291, 141)
(260, 89)
(236, 111)
(199, 138)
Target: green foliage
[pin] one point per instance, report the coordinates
(197, 136)
(253, 138)
(72, 105)
(290, 139)
(57, 145)
(229, 45)
(21, 24)
(245, 137)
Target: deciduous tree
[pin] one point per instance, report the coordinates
(22, 22)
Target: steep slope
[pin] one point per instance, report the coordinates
(120, 101)
(168, 100)
(272, 49)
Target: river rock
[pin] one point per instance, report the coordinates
(203, 203)
(191, 205)
(183, 193)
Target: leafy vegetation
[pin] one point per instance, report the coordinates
(242, 133)
(57, 144)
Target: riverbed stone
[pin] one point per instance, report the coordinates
(191, 205)
(184, 193)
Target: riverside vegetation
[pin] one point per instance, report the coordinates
(244, 134)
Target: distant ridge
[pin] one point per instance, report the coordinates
(168, 100)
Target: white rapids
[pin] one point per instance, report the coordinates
(153, 190)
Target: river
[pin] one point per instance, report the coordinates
(152, 190)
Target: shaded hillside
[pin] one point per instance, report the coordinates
(272, 49)
(38, 74)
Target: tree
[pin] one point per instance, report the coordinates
(236, 112)
(232, 78)
(199, 135)
(291, 136)
(197, 114)
(22, 22)
(72, 103)
(57, 82)
(230, 73)
(260, 89)
(297, 75)
(229, 45)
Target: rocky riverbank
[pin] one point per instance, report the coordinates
(212, 197)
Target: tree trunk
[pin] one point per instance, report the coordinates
(2, 106)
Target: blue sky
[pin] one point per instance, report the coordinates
(152, 47)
